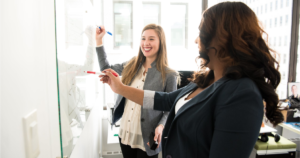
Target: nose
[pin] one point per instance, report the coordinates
(196, 40)
(146, 43)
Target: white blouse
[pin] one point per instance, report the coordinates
(130, 127)
(181, 102)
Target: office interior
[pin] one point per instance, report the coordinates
(50, 108)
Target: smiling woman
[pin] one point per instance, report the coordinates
(148, 70)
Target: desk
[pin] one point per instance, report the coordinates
(267, 129)
(289, 127)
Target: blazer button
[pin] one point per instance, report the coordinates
(169, 156)
(142, 119)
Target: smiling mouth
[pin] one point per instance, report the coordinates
(147, 49)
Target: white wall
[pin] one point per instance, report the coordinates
(28, 75)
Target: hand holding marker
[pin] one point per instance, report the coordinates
(99, 73)
(106, 31)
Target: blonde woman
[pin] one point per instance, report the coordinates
(147, 71)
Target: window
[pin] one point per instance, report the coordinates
(266, 7)
(151, 13)
(257, 10)
(279, 41)
(283, 76)
(122, 21)
(178, 25)
(265, 23)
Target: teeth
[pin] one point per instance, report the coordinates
(147, 49)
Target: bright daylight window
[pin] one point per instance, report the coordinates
(275, 32)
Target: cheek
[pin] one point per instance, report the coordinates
(157, 45)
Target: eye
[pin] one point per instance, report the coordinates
(151, 39)
(143, 39)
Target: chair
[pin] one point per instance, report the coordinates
(184, 75)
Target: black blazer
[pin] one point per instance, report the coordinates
(222, 121)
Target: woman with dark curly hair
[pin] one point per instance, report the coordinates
(220, 112)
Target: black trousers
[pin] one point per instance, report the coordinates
(129, 152)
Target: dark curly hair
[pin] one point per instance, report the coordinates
(236, 31)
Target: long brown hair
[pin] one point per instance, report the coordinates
(132, 66)
(236, 31)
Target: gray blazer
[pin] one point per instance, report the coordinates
(150, 119)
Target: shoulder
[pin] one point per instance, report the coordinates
(170, 73)
(243, 82)
(239, 85)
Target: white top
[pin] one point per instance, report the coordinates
(130, 127)
(181, 102)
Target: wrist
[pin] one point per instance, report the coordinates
(122, 89)
(99, 42)
(162, 126)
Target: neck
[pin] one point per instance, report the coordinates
(218, 73)
(148, 62)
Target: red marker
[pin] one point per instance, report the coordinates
(99, 73)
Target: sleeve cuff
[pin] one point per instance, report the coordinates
(99, 46)
(148, 102)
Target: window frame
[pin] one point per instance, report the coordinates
(294, 41)
(186, 22)
(159, 4)
(131, 16)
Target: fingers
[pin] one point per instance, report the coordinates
(100, 31)
(102, 28)
(156, 136)
(148, 144)
(110, 70)
(159, 140)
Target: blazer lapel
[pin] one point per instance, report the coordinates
(201, 96)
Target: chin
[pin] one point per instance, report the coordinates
(147, 55)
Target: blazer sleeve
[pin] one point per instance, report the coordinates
(104, 64)
(161, 101)
(237, 123)
(171, 85)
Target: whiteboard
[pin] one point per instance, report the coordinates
(78, 92)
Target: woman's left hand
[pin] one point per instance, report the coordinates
(158, 133)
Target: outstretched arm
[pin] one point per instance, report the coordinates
(102, 57)
(161, 101)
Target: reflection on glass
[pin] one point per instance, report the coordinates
(151, 13)
(75, 54)
(123, 25)
(178, 23)
(275, 32)
(298, 59)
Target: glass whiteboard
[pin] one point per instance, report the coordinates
(78, 92)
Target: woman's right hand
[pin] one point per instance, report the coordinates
(113, 81)
(99, 35)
